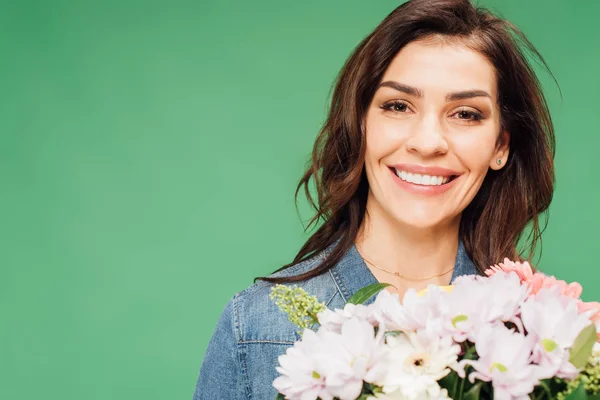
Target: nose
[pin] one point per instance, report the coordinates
(428, 138)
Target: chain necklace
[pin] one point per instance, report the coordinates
(405, 277)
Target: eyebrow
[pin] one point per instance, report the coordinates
(412, 91)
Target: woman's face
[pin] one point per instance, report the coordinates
(432, 132)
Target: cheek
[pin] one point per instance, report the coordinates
(383, 138)
(476, 154)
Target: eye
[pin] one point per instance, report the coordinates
(395, 106)
(468, 115)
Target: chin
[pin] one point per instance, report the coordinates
(421, 219)
(421, 225)
(418, 223)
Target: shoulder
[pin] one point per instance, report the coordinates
(257, 318)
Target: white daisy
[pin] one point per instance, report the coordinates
(417, 360)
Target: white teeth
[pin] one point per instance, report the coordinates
(424, 180)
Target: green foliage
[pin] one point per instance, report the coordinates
(367, 292)
(474, 392)
(586, 385)
(462, 389)
(301, 308)
(578, 394)
(582, 348)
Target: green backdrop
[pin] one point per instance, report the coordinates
(149, 151)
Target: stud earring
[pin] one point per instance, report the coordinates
(499, 161)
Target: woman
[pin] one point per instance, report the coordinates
(436, 154)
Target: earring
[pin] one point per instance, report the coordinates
(499, 161)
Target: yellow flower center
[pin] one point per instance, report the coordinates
(499, 367)
(549, 345)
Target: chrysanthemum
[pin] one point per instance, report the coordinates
(553, 321)
(476, 302)
(504, 360)
(354, 355)
(333, 320)
(535, 280)
(417, 360)
(593, 309)
(414, 313)
(329, 364)
(398, 395)
(301, 377)
(522, 269)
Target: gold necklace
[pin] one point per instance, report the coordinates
(405, 277)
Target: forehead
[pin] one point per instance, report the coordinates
(442, 66)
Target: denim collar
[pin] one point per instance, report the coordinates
(351, 273)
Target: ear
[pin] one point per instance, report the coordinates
(500, 156)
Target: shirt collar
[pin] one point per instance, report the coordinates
(351, 273)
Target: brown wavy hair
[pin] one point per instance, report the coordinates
(509, 199)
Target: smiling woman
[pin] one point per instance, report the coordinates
(436, 154)
(434, 127)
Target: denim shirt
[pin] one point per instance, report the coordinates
(252, 332)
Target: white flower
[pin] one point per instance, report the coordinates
(415, 312)
(329, 364)
(554, 322)
(416, 361)
(504, 357)
(398, 395)
(476, 302)
(333, 320)
(388, 310)
(356, 355)
(300, 374)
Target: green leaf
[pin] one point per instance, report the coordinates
(473, 392)
(578, 394)
(367, 292)
(450, 382)
(582, 348)
(280, 397)
(470, 353)
(544, 387)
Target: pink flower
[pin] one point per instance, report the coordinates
(594, 308)
(476, 302)
(523, 270)
(327, 365)
(301, 376)
(415, 312)
(333, 320)
(536, 280)
(553, 322)
(539, 281)
(503, 360)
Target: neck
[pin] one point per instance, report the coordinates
(406, 250)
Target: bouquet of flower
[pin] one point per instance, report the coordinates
(514, 334)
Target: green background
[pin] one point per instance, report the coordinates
(149, 152)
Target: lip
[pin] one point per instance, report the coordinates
(426, 190)
(425, 170)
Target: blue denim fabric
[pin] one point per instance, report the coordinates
(252, 332)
